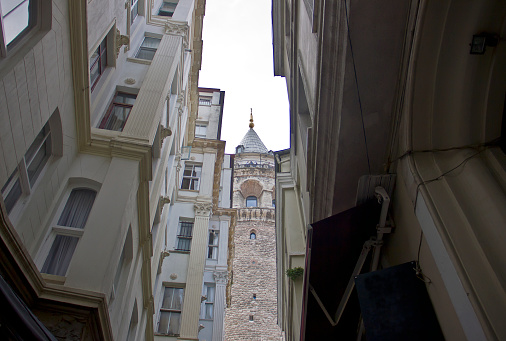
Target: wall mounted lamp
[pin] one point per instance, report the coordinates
(481, 41)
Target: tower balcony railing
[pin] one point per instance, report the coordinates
(254, 164)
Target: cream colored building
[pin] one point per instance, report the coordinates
(97, 101)
(391, 94)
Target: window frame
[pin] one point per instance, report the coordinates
(209, 302)
(172, 2)
(213, 249)
(205, 100)
(193, 180)
(184, 239)
(145, 48)
(249, 201)
(133, 4)
(33, 21)
(21, 175)
(66, 231)
(170, 310)
(102, 54)
(201, 127)
(105, 119)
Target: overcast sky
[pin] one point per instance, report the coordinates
(237, 58)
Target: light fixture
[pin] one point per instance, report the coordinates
(481, 41)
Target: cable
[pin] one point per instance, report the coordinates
(358, 91)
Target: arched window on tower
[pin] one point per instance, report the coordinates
(251, 201)
(252, 235)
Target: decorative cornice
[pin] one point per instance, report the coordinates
(178, 29)
(203, 209)
(221, 277)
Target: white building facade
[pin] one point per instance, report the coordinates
(97, 99)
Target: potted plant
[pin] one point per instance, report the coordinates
(295, 273)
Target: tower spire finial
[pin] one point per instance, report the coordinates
(251, 124)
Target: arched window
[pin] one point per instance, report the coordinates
(251, 201)
(252, 235)
(68, 230)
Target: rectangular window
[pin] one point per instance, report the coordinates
(17, 18)
(204, 100)
(209, 305)
(184, 238)
(68, 230)
(212, 247)
(98, 63)
(23, 178)
(134, 10)
(148, 48)
(191, 177)
(116, 116)
(168, 7)
(201, 130)
(170, 311)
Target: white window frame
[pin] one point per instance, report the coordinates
(134, 10)
(146, 48)
(171, 2)
(210, 294)
(213, 244)
(205, 100)
(170, 310)
(21, 178)
(201, 130)
(183, 235)
(193, 179)
(56, 229)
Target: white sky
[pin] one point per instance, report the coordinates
(237, 58)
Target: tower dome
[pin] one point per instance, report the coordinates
(251, 143)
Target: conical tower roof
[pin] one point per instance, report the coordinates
(251, 143)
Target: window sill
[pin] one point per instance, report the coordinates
(171, 335)
(179, 251)
(54, 279)
(139, 61)
(189, 190)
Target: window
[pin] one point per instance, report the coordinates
(134, 10)
(191, 177)
(252, 235)
(251, 318)
(18, 17)
(23, 178)
(251, 201)
(209, 303)
(212, 252)
(148, 48)
(117, 114)
(254, 296)
(98, 63)
(168, 7)
(184, 238)
(68, 230)
(200, 130)
(170, 311)
(205, 100)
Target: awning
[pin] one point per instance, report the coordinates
(333, 247)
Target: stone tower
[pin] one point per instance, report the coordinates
(252, 312)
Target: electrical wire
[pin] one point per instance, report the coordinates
(358, 90)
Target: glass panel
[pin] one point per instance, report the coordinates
(210, 294)
(177, 302)
(94, 73)
(34, 146)
(167, 297)
(135, 10)
(146, 54)
(175, 321)
(197, 170)
(122, 97)
(151, 42)
(194, 185)
(209, 311)
(184, 244)
(77, 208)
(12, 191)
(252, 236)
(58, 259)
(163, 324)
(38, 162)
(251, 202)
(15, 17)
(117, 118)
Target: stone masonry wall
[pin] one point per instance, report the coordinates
(252, 313)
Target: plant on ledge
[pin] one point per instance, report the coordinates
(295, 273)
